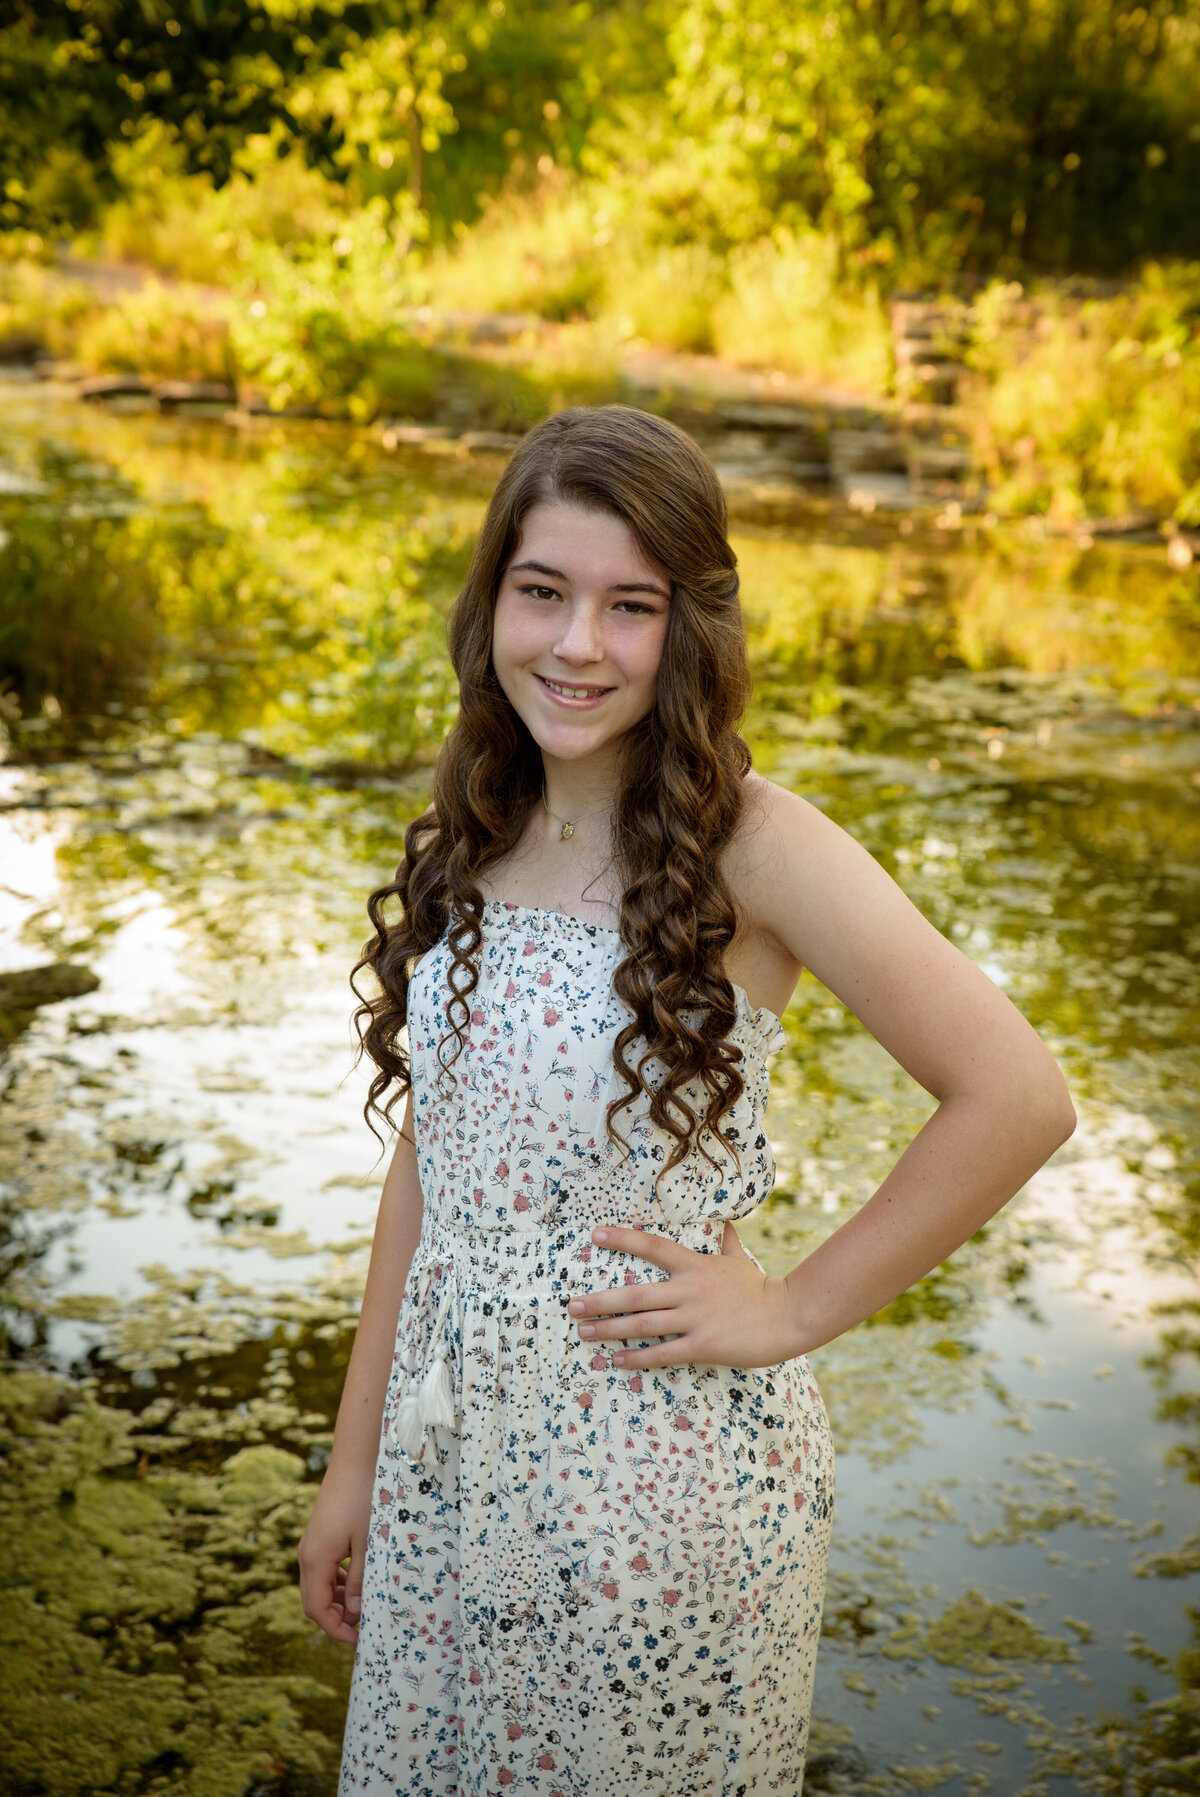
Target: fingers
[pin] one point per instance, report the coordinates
(352, 1592)
(672, 1353)
(611, 1300)
(659, 1249)
(632, 1328)
(323, 1597)
(322, 1605)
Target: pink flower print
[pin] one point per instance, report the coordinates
(630, 1276)
(545, 977)
(478, 1018)
(610, 1589)
(671, 1598)
(584, 1400)
(510, 991)
(585, 1253)
(521, 1201)
(504, 1776)
(386, 1497)
(501, 1169)
(550, 1016)
(774, 1458)
(640, 1563)
(531, 948)
(515, 1731)
(635, 1384)
(477, 1194)
(546, 1762)
(797, 1465)
(568, 1096)
(598, 1363)
(798, 1500)
(682, 1421)
(385, 1531)
(476, 1677)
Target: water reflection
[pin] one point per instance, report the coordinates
(225, 686)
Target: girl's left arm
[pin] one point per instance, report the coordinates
(1003, 1105)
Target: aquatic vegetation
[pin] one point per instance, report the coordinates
(157, 1611)
(974, 1632)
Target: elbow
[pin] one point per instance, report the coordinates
(1050, 1103)
(1065, 1120)
(1034, 1100)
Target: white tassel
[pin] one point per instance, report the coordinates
(408, 1428)
(430, 1402)
(437, 1396)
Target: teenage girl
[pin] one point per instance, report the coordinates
(576, 1517)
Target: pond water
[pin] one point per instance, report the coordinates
(232, 687)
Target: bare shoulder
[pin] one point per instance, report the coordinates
(775, 854)
(771, 842)
(803, 883)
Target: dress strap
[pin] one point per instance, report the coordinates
(426, 1397)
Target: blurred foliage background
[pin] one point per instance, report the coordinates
(927, 137)
(321, 187)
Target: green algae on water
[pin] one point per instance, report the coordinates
(153, 1616)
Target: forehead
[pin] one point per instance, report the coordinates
(585, 546)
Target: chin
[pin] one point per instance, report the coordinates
(571, 748)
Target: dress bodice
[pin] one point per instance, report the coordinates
(516, 1165)
(517, 1139)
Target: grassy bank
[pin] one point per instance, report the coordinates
(1077, 403)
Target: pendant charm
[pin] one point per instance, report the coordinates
(567, 830)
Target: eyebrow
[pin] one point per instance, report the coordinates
(628, 586)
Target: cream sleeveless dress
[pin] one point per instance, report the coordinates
(581, 1580)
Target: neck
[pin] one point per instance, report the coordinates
(571, 788)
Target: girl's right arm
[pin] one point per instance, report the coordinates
(337, 1530)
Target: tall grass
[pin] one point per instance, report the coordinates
(162, 331)
(1091, 406)
(786, 302)
(595, 253)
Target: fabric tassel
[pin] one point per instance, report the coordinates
(437, 1396)
(408, 1428)
(431, 1401)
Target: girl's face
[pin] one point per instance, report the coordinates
(580, 621)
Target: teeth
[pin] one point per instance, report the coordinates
(574, 692)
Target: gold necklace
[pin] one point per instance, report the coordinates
(568, 824)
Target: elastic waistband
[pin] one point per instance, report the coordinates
(450, 1261)
(551, 1255)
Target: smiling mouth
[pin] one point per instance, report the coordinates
(573, 692)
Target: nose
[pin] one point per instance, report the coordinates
(579, 639)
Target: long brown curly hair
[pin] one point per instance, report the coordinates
(680, 790)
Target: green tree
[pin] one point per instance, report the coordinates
(953, 133)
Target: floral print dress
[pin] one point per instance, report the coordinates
(581, 1580)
